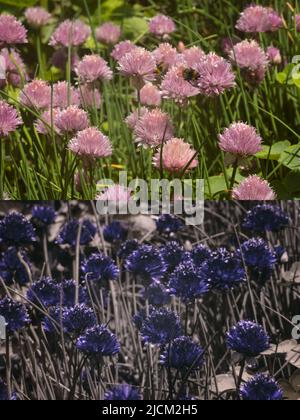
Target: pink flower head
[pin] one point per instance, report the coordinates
(153, 128)
(297, 23)
(254, 188)
(115, 194)
(240, 139)
(108, 33)
(134, 117)
(174, 86)
(92, 68)
(37, 16)
(215, 75)
(122, 49)
(11, 31)
(36, 94)
(176, 156)
(15, 70)
(150, 95)
(64, 96)
(252, 59)
(47, 123)
(59, 59)
(165, 56)
(70, 33)
(71, 120)
(162, 26)
(91, 144)
(9, 119)
(139, 65)
(256, 19)
(274, 55)
(90, 97)
(192, 56)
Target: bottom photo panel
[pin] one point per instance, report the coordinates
(149, 308)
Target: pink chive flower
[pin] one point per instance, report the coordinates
(70, 33)
(92, 68)
(251, 59)
(36, 94)
(15, 70)
(71, 120)
(241, 140)
(274, 55)
(37, 16)
(47, 123)
(132, 119)
(59, 59)
(255, 19)
(228, 43)
(108, 33)
(165, 56)
(192, 56)
(297, 23)
(254, 188)
(64, 96)
(121, 49)
(139, 65)
(174, 86)
(9, 119)
(115, 194)
(162, 26)
(176, 156)
(91, 144)
(11, 31)
(150, 95)
(215, 75)
(153, 129)
(90, 97)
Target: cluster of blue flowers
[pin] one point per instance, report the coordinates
(165, 271)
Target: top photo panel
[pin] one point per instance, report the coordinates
(133, 100)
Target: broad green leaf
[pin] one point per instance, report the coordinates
(217, 184)
(273, 152)
(285, 77)
(291, 157)
(135, 26)
(292, 182)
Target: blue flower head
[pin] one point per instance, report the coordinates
(157, 294)
(123, 393)
(200, 254)
(259, 258)
(99, 268)
(281, 254)
(69, 233)
(248, 339)
(14, 313)
(43, 215)
(115, 232)
(266, 218)
(45, 292)
(168, 223)
(261, 388)
(74, 321)
(147, 262)
(12, 267)
(173, 254)
(4, 393)
(223, 270)
(98, 341)
(127, 248)
(161, 327)
(68, 291)
(16, 230)
(183, 354)
(187, 282)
